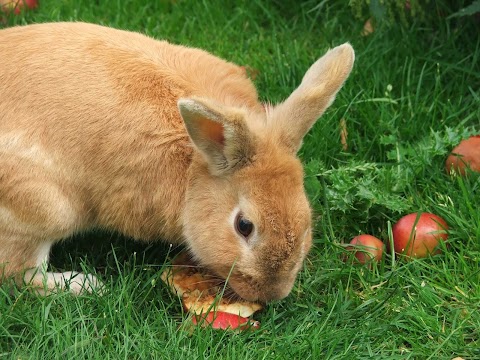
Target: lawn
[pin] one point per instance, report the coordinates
(413, 95)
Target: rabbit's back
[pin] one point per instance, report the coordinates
(93, 78)
(96, 108)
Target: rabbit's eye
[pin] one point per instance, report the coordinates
(243, 226)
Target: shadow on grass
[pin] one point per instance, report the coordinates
(110, 254)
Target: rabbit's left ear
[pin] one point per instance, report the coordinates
(219, 133)
(296, 115)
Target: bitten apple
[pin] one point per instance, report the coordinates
(203, 296)
(367, 248)
(420, 237)
(224, 321)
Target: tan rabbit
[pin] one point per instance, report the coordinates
(102, 128)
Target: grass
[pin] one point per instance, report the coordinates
(413, 95)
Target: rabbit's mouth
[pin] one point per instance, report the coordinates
(221, 288)
(251, 289)
(193, 277)
(230, 285)
(237, 287)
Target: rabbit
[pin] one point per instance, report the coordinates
(109, 129)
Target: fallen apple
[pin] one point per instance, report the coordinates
(418, 235)
(223, 321)
(367, 248)
(466, 154)
(17, 5)
(202, 295)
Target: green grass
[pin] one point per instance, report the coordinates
(413, 95)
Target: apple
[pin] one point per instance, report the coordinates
(367, 248)
(200, 291)
(466, 154)
(17, 5)
(223, 321)
(418, 235)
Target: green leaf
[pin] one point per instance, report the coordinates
(472, 9)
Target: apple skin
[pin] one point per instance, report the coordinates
(17, 5)
(372, 248)
(421, 241)
(224, 321)
(467, 153)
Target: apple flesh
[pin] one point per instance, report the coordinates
(367, 248)
(418, 235)
(466, 154)
(17, 5)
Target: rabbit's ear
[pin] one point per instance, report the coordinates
(296, 115)
(220, 134)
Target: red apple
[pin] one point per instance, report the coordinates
(419, 237)
(367, 248)
(223, 321)
(17, 5)
(466, 154)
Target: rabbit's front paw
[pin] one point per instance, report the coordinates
(79, 283)
(45, 283)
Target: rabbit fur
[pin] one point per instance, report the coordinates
(103, 128)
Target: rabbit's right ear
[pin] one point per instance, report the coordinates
(220, 133)
(296, 115)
